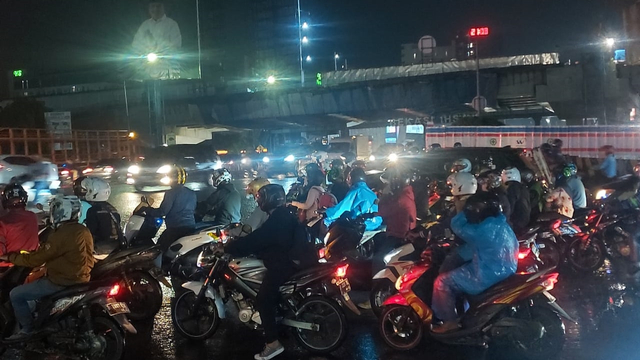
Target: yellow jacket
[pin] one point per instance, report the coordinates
(68, 254)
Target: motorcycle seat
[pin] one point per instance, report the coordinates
(314, 270)
(510, 282)
(581, 213)
(119, 255)
(78, 288)
(549, 216)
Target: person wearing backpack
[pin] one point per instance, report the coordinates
(313, 181)
(277, 242)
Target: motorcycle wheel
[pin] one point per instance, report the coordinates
(145, 298)
(586, 260)
(381, 291)
(195, 322)
(550, 344)
(401, 327)
(333, 325)
(110, 336)
(550, 254)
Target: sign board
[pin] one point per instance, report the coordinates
(58, 123)
(426, 44)
(415, 129)
(479, 31)
(479, 103)
(63, 146)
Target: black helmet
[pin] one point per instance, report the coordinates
(311, 167)
(481, 206)
(358, 175)
(399, 180)
(79, 190)
(527, 176)
(315, 178)
(337, 163)
(14, 196)
(270, 197)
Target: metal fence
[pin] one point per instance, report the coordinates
(79, 146)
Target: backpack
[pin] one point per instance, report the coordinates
(303, 251)
(326, 200)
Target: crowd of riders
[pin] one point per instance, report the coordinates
(487, 208)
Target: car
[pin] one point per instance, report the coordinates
(436, 164)
(25, 169)
(108, 169)
(153, 172)
(287, 160)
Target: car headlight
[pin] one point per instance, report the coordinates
(166, 180)
(603, 194)
(372, 158)
(217, 165)
(134, 169)
(245, 161)
(265, 159)
(290, 158)
(164, 169)
(393, 157)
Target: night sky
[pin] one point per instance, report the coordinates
(59, 35)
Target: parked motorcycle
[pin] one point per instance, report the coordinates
(310, 300)
(518, 313)
(84, 320)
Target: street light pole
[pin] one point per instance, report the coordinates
(335, 61)
(300, 44)
(478, 110)
(199, 44)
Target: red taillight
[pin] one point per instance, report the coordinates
(556, 224)
(524, 253)
(1, 167)
(63, 172)
(108, 168)
(321, 253)
(550, 282)
(341, 271)
(115, 290)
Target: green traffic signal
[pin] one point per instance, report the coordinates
(17, 73)
(319, 79)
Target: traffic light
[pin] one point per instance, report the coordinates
(319, 79)
(17, 73)
(479, 32)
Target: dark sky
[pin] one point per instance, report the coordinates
(71, 34)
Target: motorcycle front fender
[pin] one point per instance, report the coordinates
(396, 299)
(211, 293)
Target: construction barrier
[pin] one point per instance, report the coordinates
(579, 141)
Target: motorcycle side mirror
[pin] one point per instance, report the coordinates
(39, 207)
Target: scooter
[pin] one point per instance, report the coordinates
(518, 313)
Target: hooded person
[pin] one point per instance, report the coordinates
(359, 200)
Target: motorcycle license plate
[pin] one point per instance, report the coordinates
(343, 285)
(117, 308)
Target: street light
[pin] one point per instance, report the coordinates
(335, 61)
(610, 42)
(271, 80)
(305, 26)
(308, 58)
(152, 57)
(305, 40)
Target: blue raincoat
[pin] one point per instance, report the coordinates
(359, 200)
(495, 253)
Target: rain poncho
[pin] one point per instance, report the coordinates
(359, 200)
(495, 253)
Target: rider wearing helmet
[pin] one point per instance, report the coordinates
(313, 181)
(102, 218)
(495, 247)
(463, 185)
(359, 200)
(222, 207)
(519, 199)
(490, 181)
(461, 165)
(568, 180)
(257, 217)
(336, 178)
(277, 244)
(68, 253)
(178, 208)
(18, 226)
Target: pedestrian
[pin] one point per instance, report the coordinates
(608, 167)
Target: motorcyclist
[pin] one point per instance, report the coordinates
(519, 199)
(495, 248)
(536, 191)
(222, 207)
(314, 181)
(298, 190)
(608, 167)
(571, 183)
(18, 226)
(274, 243)
(490, 181)
(178, 208)
(102, 218)
(461, 165)
(359, 200)
(336, 180)
(68, 253)
(258, 216)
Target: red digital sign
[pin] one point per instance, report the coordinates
(479, 31)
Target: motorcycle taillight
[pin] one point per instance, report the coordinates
(522, 254)
(549, 283)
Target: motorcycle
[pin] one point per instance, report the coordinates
(518, 312)
(310, 300)
(83, 320)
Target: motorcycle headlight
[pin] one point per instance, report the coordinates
(134, 169)
(393, 157)
(372, 158)
(205, 258)
(164, 169)
(603, 194)
(217, 165)
(266, 159)
(290, 158)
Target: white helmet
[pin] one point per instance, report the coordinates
(462, 183)
(92, 189)
(63, 208)
(220, 176)
(461, 165)
(511, 174)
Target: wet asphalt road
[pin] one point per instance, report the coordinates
(603, 330)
